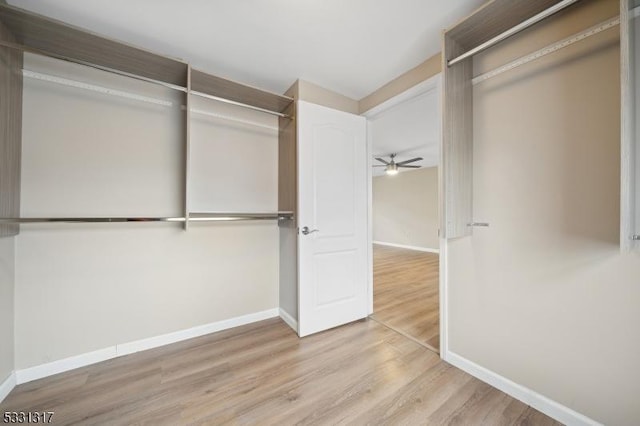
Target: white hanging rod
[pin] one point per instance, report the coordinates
(229, 101)
(513, 30)
(236, 120)
(223, 216)
(198, 217)
(610, 23)
(94, 88)
(24, 48)
(128, 95)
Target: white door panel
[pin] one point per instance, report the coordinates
(332, 185)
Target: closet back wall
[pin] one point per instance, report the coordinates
(81, 288)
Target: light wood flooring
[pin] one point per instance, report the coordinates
(262, 373)
(405, 292)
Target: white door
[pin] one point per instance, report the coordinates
(332, 218)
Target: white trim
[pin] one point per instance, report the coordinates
(404, 246)
(190, 333)
(443, 288)
(443, 297)
(369, 219)
(71, 363)
(288, 318)
(414, 91)
(60, 366)
(540, 402)
(7, 386)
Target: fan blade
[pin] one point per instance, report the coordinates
(409, 161)
(410, 167)
(385, 162)
(379, 165)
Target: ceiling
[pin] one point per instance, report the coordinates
(409, 129)
(352, 47)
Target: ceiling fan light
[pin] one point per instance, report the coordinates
(391, 169)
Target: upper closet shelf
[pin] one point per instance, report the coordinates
(65, 41)
(41, 35)
(485, 27)
(227, 90)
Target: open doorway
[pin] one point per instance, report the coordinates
(404, 137)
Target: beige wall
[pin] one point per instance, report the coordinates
(405, 208)
(7, 265)
(81, 288)
(420, 73)
(310, 92)
(543, 296)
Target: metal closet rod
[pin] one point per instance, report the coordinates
(200, 217)
(513, 30)
(136, 77)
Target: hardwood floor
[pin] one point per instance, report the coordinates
(405, 292)
(361, 373)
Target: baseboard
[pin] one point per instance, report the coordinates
(404, 246)
(541, 403)
(190, 333)
(291, 322)
(7, 386)
(82, 360)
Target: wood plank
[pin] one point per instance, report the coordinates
(10, 132)
(494, 18)
(406, 291)
(287, 162)
(262, 373)
(457, 134)
(237, 92)
(57, 38)
(288, 201)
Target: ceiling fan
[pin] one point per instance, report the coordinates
(391, 167)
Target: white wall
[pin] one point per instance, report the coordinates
(84, 287)
(543, 296)
(7, 264)
(405, 208)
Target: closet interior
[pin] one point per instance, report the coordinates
(490, 25)
(197, 98)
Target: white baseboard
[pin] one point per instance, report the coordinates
(7, 386)
(190, 333)
(66, 364)
(404, 246)
(541, 403)
(291, 322)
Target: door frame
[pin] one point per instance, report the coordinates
(432, 83)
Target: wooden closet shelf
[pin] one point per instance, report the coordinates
(55, 37)
(484, 24)
(237, 92)
(44, 36)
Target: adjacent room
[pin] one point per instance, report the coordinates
(404, 134)
(320, 212)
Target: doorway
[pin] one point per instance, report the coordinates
(404, 138)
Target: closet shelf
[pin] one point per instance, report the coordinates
(44, 36)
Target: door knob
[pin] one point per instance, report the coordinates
(307, 231)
